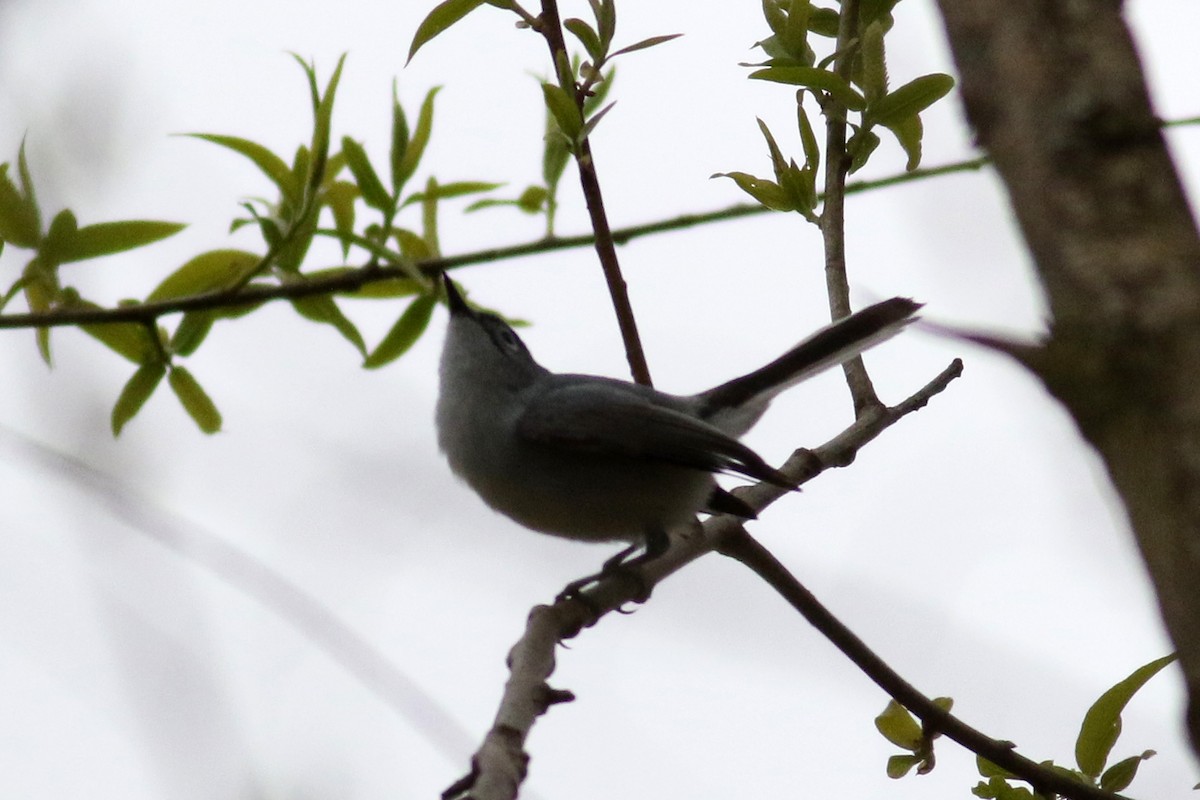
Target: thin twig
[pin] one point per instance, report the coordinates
(551, 30)
(744, 548)
(368, 274)
(833, 212)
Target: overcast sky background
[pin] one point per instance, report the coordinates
(976, 544)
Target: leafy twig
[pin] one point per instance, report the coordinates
(357, 278)
(833, 217)
(551, 30)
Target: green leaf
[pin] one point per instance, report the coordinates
(874, 64)
(191, 332)
(594, 120)
(271, 165)
(1118, 777)
(769, 193)
(135, 393)
(646, 43)
(586, 36)
(776, 19)
(600, 91)
(322, 308)
(128, 339)
(107, 238)
(606, 19)
(40, 289)
(910, 99)
(445, 191)
(27, 192)
(824, 22)
(999, 789)
(58, 237)
(416, 145)
(310, 73)
(860, 147)
(336, 163)
(800, 185)
(898, 766)
(533, 199)
(404, 333)
(207, 272)
(899, 727)
(562, 107)
(429, 216)
(196, 402)
(322, 125)
(777, 54)
(412, 246)
(555, 155)
(301, 167)
(816, 80)
(290, 256)
(778, 164)
(989, 770)
(20, 223)
(1102, 723)
(439, 19)
(373, 193)
(42, 337)
(871, 11)
(795, 33)
(399, 141)
(808, 138)
(909, 133)
(340, 198)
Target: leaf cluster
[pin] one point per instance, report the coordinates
(316, 180)
(574, 100)
(1098, 735)
(851, 85)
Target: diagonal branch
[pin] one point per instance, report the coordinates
(498, 767)
(1044, 780)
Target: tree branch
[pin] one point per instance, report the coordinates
(1056, 94)
(743, 547)
(371, 274)
(498, 767)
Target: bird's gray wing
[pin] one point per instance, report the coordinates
(622, 420)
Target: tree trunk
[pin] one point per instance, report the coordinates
(1056, 95)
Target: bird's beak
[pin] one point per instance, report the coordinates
(454, 300)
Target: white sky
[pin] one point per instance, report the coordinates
(976, 545)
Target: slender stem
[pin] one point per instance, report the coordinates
(551, 30)
(833, 214)
(1044, 780)
(372, 273)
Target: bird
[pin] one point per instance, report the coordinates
(599, 459)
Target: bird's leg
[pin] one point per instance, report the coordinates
(657, 543)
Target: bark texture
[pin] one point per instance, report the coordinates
(1056, 94)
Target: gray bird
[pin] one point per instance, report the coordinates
(599, 459)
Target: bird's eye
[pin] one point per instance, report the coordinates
(509, 339)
